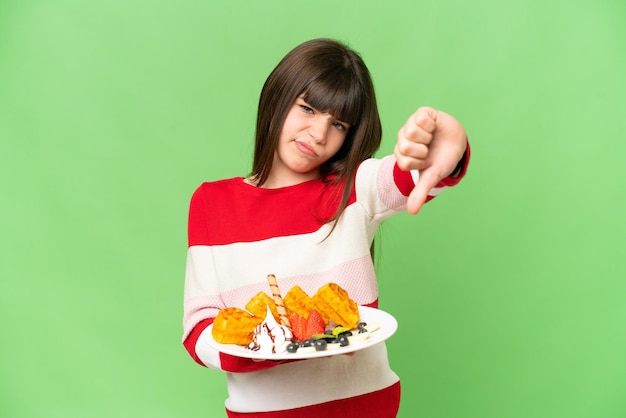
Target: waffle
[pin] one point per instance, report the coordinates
(333, 301)
(257, 306)
(234, 326)
(296, 300)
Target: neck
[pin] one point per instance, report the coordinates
(277, 180)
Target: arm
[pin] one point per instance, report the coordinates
(434, 146)
(202, 295)
(393, 185)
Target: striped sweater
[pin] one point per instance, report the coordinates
(238, 234)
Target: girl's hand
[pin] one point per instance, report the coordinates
(433, 143)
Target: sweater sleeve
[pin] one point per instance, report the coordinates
(406, 180)
(382, 188)
(205, 355)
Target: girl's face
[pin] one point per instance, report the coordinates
(308, 139)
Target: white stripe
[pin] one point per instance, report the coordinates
(436, 190)
(207, 354)
(311, 381)
(288, 256)
(415, 175)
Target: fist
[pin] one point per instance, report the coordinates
(433, 143)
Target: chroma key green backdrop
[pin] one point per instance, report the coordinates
(510, 290)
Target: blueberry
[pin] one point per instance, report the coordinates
(292, 348)
(307, 342)
(320, 345)
(343, 340)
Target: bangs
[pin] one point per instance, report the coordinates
(338, 94)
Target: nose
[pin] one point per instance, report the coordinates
(319, 129)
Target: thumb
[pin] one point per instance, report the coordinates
(426, 181)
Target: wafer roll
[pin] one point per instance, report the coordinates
(278, 300)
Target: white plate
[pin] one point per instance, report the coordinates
(387, 327)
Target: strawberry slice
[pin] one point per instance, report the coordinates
(315, 323)
(304, 328)
(298, 326)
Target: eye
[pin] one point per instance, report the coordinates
(306, 109)
(340, 126)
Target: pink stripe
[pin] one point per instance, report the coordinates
(361, 288)
(355, 276)
(393, 198)
(198, 309)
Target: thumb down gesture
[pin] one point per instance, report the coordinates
(433, 143)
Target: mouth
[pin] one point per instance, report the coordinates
(306, 149)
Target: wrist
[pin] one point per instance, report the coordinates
(459, 167)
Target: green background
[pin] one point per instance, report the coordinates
(509, 290)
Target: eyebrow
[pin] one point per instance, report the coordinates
(301, 97)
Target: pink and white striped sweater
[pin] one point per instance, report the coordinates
(238, 234)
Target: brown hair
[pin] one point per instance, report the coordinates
(333, 79)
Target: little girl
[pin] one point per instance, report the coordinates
(308, 213)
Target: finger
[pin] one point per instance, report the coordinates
(416, 199)
(419, 194)
(412, 149)
(412, 132)
(409, 162)
(425, 119)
